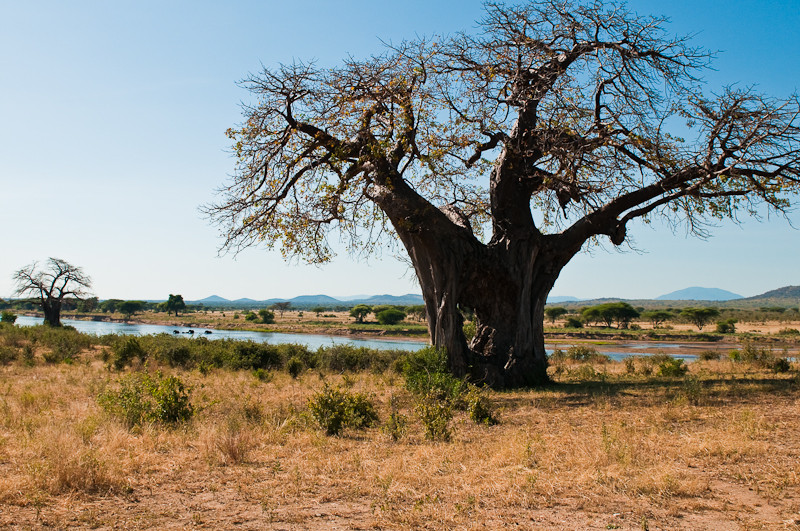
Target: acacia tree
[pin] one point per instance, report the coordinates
(495, 156)
(51, 284)
(175, 303)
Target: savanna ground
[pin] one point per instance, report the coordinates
(607, 446)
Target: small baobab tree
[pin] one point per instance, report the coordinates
(51, 284)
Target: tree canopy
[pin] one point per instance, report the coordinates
(52, 284)
(494, 156)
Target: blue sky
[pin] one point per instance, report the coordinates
(112, 121)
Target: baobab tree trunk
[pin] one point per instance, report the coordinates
(52, 311)
(506, 284)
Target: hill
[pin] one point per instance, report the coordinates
(786, 292)
(699, 294)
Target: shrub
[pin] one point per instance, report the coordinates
(262, 375)
(251, 355)
(579, 353)
(726, 327)
(250, 316)
(144, 398)
(267, 316)
(294, 366)
(335, 408)
(435, 415)
(125, 350)
(8, 317)
(789, 332)
(470, 329)
(480, 407)
(390, 316)
(426, 372)
(671, 367)
(573, 322)
(708, 355)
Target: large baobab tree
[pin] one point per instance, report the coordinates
(494, 156)
(51, 284)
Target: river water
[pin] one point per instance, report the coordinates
(314, 341)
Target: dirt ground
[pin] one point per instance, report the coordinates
(625, 454)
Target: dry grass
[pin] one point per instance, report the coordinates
(620, 451)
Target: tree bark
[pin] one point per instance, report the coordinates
(506, 283)
(52, 311)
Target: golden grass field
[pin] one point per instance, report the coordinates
(715, 450)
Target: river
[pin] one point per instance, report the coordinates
(314, 341)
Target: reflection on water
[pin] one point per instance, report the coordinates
(312, 341)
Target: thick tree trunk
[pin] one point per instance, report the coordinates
(52, 311)
(506, 284)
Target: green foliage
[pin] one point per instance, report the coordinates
(657, 317)
(390, 316)
(125, 350)
(554, 312)
(699, 316)
(708, 355)
(480, 407)
(267, 316)
(250, 316)
(143, 398)
(620, 312)
(435, 415)
(335, 408)
(129, 308)
(426, 373)
(175, 303)
(670, 367)
(295, 366)
(579, 353)
(8, 317)
(573, 322)
(789, 332)
(726, 327)
(360, 311)
(470, 329)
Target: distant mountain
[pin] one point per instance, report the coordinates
(699, 294)
(786, 292)
(213, 299)
(321, 300)
(561, 298)
(409, 299)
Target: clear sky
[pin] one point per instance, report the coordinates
(112, 121)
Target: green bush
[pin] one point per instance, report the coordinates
(435, 415)
(267, 316)
(480, 407)
(8, 317)
(125, 350)
(671, 367)
(579, 353)
(573, 322)
(726, 327)
(397, 423)
(789, 332)
(294, 366)
(426, 373)
(334, 409)
(144, 398)
(708, 355)
(390, 316)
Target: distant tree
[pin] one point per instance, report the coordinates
(87, 305)
(129, 308)
(656, 317)
(110, 305)
(699, 316)
(359, 312)
(175, 304)
(554, 312)
(281, 307)
(250, 316)
(267, 317)
(318, 310)
(727, 326)
(610, 312)
(390, 316)
(417, 311)
(57, 280)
